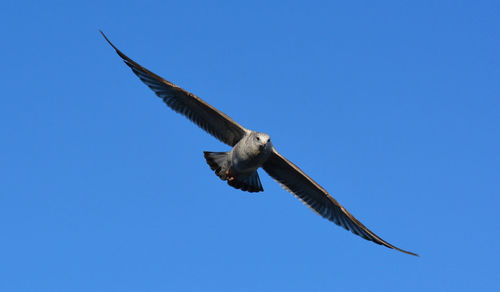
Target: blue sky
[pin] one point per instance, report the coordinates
(393, 107)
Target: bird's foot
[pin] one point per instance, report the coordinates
(229, 176)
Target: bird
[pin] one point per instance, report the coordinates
(250, 151)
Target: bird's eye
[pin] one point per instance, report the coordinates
(258, 139)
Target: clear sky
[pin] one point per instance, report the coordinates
(393, 107)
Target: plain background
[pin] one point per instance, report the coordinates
(392, 106)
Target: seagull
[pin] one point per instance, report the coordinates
(250, 151)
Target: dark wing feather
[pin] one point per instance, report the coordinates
(194, 108)
(313, 195)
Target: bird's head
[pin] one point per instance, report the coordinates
(262, 140)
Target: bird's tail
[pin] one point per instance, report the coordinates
(220, 163)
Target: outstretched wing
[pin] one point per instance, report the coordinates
(313, 195)
(194, 108)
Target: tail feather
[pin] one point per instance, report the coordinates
(250, 183)
(220, 163)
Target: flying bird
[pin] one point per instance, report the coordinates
(250, 151)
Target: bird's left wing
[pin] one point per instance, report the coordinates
(313, 195)
(194, 108)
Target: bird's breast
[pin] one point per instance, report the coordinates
(247, 159)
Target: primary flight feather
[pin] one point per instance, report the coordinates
(251, 150)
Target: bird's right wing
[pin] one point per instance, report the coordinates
(194, 108)
(294, 180)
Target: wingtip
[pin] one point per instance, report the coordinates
(406, 252)
(109, 42)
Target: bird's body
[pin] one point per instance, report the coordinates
(250, 151)
(239, 166)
